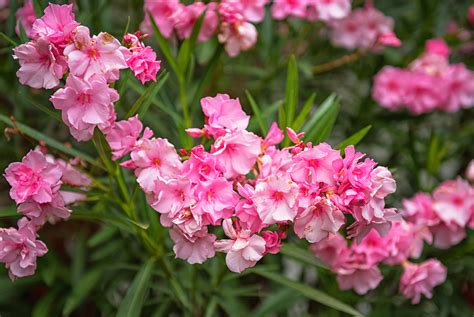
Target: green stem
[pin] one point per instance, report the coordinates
(184, 105)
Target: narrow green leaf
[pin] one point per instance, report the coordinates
(146, 104)
(148, 95)
(303, 115)
(82, 289)
(436, 152)
(101, 236)
(132, 304)
(9, 211)
(257, 113)
(46, 110)
(44, 306)
(355, 138)
(277, 302)
(38, 8)
(319, 127)
(127, 26)
(281, 115)
(164, 46)
(103, 149)
(8, 39)
(49, 141)
(301, 255)
(187, 48)
(309, 292)
(22, 35)
(291, 95)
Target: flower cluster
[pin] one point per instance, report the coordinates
(36, 188)
(429, 83)
(233, 20)
(310, 186)
(61, 45)
(366, 28)
(439, 219)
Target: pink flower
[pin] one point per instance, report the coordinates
(452, 202)
(447, 235)
(460, 88)
(162, 12)
(238, 151)
(40, 213)
(419, 210)
(142, 61)
(71, 175)
(243, 249)
(154, 159)
(19, 249)
(85, 104)
(34, 178)
(424, 94)
(245, 209)
(187, 15)
(201, 165)
(97, 55)
(57, 24)
(470, 171)
(275, 199)
(237, 34)
(331, 249)
(328, 10)
(418, 279)
(222, 113)
(318, 221)
(123, 136)
(390, 87)
(215, 200)
(274, 136)
(25, 16)
(196, 249)
(41, 66)
(383, 183)
(437, 46)
(470, 15)
(272, 241)
(284, 8)
(252, 10)
(171, 196)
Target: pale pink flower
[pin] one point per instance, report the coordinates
(155, 158)
(383, 183)
(85, 104)
(162, 12)
(196, 249)
(25, 16)
(328, 10)
(245, 209)
(34, 178)
(318, 221)
(40, 213)
(142, 61)
(452, 202)
(289, 8)
(41, 65)
(274, 136)
(237, 34)
(460, 86)
(424, 93)
(275, 199)
(215, 199)
(252, 10)
(19, 249)
(373, 246)
(202, 165)
(470, 171)
(238, 151)
(388, 39)
(390, 87)
(446, 235)
(71, 175)
(272, 241)
(222, 113)
(331, 249)
(419, 210)
(171, 196)
(124, 135)
(418, 279)
(88, 56)
(243, 249)
(187, 15)
(57, 24)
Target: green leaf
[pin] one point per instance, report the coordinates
(303, 115)
(101, 236)
(44, 306)
(436, 152)
(143, 102)
(127, 26)
(277, 302)
(9, 211)
(319, 127)
(38, 8)
(281, 115)
(301, 255)
(49, 141)
(309, 292)
(164, 46)
(132, 304)
(187, 48)
(82, 289)
(103, 149)
(291, 95)
(355, 138)
(46, 110)
(8, 39)
(257, 113)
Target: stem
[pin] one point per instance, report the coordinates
(346, 59)
(184, 105)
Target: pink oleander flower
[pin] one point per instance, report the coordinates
(100, 54)
(318, 221)
(275, 199)
(418, 279)
(289, 8)
(85, 104)
(373, 246)
(223, 113)
(142, 61)
(390, 87)
(195, 249)
(154, 159)
(383, 183)
(437, 46)
(41, 65)
(452, 202)
(328, 10)
(419, 210)
(25, 16)
(57, 24)
(171, 196)
(470, 171)
(124, 136)
(40, 213)
(70, 174)
(470, 15)
(251, 10)
(202, 165)
(330, 249)
(460, 86)
(244, 249)
(423, 93)
(19, 249)
(215, 200)
(34, 178)
(245, 209)
(238, 151)
(446, 235)
(272, 242)
(274, 136)
(187, 15)
(163, 14)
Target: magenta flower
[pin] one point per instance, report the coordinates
(19, 249)
(85, 104)
(41, 66)
(390, 86)
(202, 165)
(418, 279)
(143, 63)
(34, 178)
